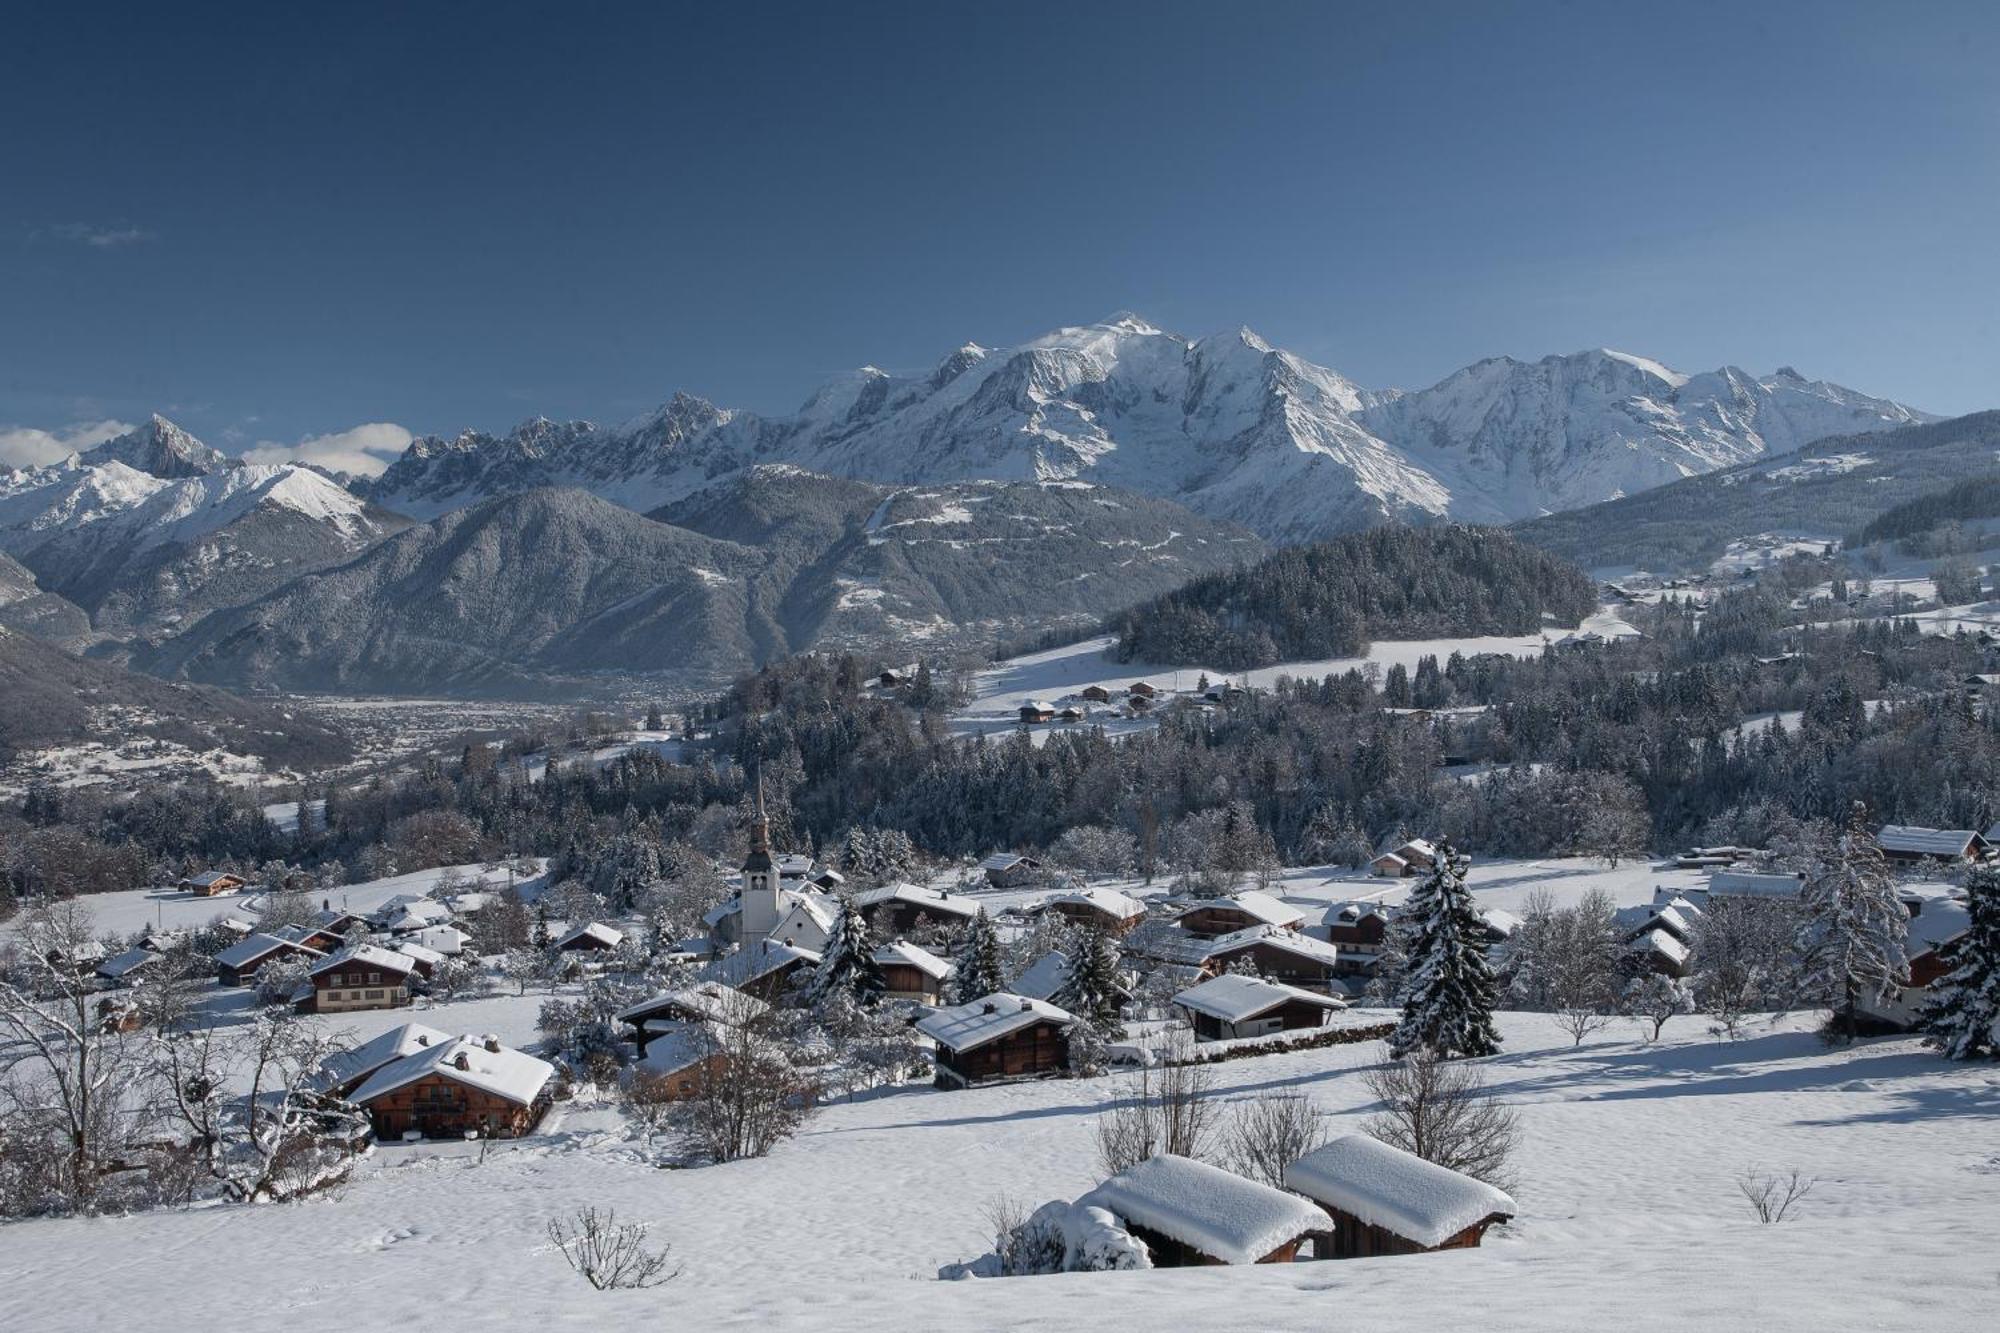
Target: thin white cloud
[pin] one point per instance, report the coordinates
(99, 236)
(26, 446)
(364, 450)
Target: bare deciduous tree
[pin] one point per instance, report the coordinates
(1772, 1196)
(749, 1092)
(1441, 1111)
(609, 1254)
(1170, 1111)
(1269, 1132)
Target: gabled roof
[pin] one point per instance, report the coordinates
(755, 961)
(419, 954)
(1421, 846)
(1233, 999)
(795, 864)
(443, 939)
(918, 895)
(675, 1049)
(1257, 906)
(1004, 861)
(1290, 941)
(592, 930)
(909, 955)
(1352, 913)
(1660, 942)
(1397, 1191)
(507, 1073)
(1041, 979)
(965, 1027)
(369, 955)
(709, 1000)
(1912, 840)
(1500, 921)
(208, 877)
(1118, 906)
(379, 1050)
(251, 948)
(125, 964)
(1941, 921)
(1219, 1213)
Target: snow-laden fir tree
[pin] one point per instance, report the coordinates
(980, 965)
(1959, 1017)
(1852, 941)
(849, 961)
(1095, 991)
(1449, 991)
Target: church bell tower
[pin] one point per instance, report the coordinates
(761, 907)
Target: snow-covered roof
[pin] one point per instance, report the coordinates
(674, 1049)
(1219, 1213)
(418, 953)
(1500, 921)
(1350, 913)
(1397, 1191)
(1119, 906)
(755, 960)
(442, 939)
(1233, 998)
(114, 969)
(1752, 884)
(592, 930)
(208, 877)
(710, 1000)
(1042, 978)
(1914, 841)
(1941, 921)
(369, 955)
(909, 955)
(1290, 941)
(250, 949)
(794, 864)
(1002, 861)
(1662, 943)
(1257, 906)
(964, 1027)
(507, 1073)
(379, 1050)
(1421, 846)
(918, 895)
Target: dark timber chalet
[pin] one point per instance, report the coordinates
(1386, 1201)
(902, 909)
(1231, 1006)
(1240, 911)
(239, 963)
(1000, 1036)
(1106, 909)
(469, 1085)
(211, 883)
(911, 972)
(1189, 1213)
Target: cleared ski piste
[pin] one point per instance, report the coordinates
(1061, 673)
(1630, 1213)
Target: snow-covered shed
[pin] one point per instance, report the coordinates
(1658, 950)
(998, 1036)
(1387, 1201)
(460, 1086)
(1230, 1006)
(1043, 978)
(1010, 870)
(912, 972)
(123, 969)
(1240, 911)
(1190, 1213)
(211, 883)
(1281, 955)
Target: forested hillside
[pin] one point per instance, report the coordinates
(1973, 498)
(1330, 598)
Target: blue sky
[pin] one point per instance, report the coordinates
(275, 225)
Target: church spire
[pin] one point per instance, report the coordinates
(760, 823)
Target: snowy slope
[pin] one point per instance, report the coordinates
(161, 449)
(1228, 425)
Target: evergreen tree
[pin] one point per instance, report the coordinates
(981, 969)
(1095, 991)
(1852, 942)
(542, 939)
(1449, 993)
(1959, 1017)
(849, 962)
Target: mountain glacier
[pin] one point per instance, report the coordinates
(1228, 425)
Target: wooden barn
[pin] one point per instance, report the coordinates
(1411, 858)
(458, 1088)
(901, 909)
(1107, 909)
(912, 973)
(238, 964)
(590, 937)
(1231, 1006)
(1034, 711)
(364, 977)
(212, 884)
(1386, 1201)
(1191, 1214)
(999, 1037)
(1141, 690)
(1279, 955)
(680, 1061)
(1009, 870)
(1096, 694)
(1240, 911)
(1906, 844)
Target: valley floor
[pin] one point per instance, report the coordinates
(1631, 1216)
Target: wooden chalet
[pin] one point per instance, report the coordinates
(590, 937)
(1411, 858)
(998, 1037)
(1096, 694)
(1279, 955)
(1906, 844)
(126, 969)
(765, 969)
(1937, 923)
(1386, 1201)
(703, 1002)
(1240, 911)
(1106, 909)
(212, 883)
(459, 1088)
(680, 1061)
(1069, 713)
(1141, 690)
(912, 973)
(1010, 870)
(901, 909)
(347, 1070)
(239, 963)
(1035, 711)
(1190, 1214)
(1227, 1007)
(364, 977)
(1358, 930)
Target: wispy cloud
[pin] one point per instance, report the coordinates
(27, 446)
(364, 450)
(97, 235)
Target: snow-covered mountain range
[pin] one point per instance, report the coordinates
(1227, 425)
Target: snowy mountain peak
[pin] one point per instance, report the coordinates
(1126, 322)
(1647, 365)
(159, 448)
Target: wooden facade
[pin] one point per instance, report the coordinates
(1352, 1238)
(1292, 1014)
(906, 981)
(244, 973)
(1037, 1051)
(1224, 918)
(1166, 1252)
(1084, 914)
(437, 1106)
(1278, 964)
(211, 884)
(357, 985)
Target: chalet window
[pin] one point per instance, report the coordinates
(374, 995)
(374, 978)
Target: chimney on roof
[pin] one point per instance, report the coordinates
(423, 1039)
(1027, 1006)
(989, 1008)
(491, 1043)
(461, 1061)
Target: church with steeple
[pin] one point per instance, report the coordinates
(763, 901)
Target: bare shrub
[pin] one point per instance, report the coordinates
(1170, 1112)
(1771, 1195)
(610, 1254)
(1022, 1249)
(1269, 1132)
(1441, 1111)
(749, 1093)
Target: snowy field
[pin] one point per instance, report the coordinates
(1058, 675)
(1630, 1213)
